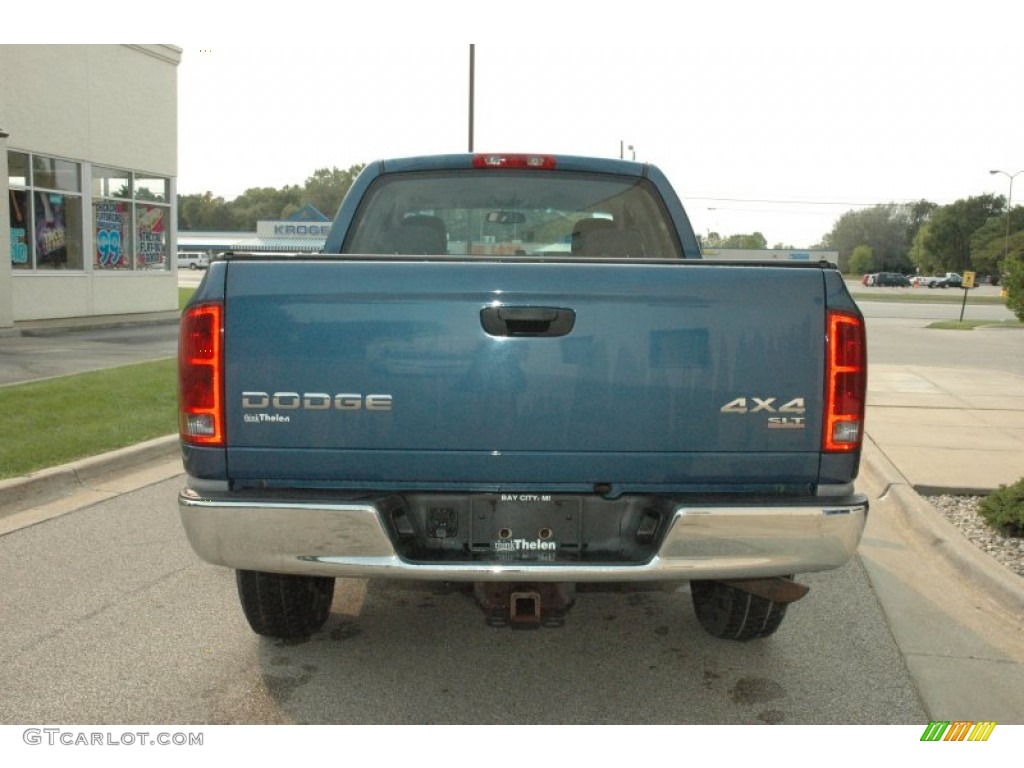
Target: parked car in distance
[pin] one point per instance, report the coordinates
(949, 280)
(894, 279)
(868, 279)
(193, 260)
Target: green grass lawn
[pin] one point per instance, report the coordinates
(970, 325)
(51, 422)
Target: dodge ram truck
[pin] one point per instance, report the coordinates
(517, 373)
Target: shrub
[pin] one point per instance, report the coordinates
(1004, 509)
(1013, 282)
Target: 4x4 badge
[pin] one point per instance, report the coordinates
(763, 405)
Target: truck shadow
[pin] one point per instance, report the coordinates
(396, 652)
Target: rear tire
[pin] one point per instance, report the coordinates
(732, 614)
(284, 606)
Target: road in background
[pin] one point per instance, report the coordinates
(898, 334)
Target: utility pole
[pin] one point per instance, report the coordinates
(472, 75)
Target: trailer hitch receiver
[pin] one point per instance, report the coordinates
(524, 606)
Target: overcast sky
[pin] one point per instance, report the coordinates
(771, 122)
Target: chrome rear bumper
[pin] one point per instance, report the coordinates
(349, 539)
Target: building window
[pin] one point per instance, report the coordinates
(151, 237)
(130, 220)
(111, 218)
(58, 226)
(46, 212)
(56, 174)
(21, 214)
(130, 216)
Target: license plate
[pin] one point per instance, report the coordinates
(524, 526)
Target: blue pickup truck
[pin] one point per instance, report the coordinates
(517, 372)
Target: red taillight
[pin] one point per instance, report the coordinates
(845, 383)
(200, 380)
(502, 160)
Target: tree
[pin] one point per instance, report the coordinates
(713, 240)
(1013, 282)
(325, 189)
(989, 243)
(862, 260)
(748, 242)
(952, 226)
(263, 203)
(921, 257)
(205, 212)
(888, 230)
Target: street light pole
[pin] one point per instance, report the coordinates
(1009, 204)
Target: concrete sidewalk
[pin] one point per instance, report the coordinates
(954, 612)
(948, 430)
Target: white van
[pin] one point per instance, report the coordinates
(193, 260)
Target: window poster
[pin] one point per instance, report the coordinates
(150, 248)
(19, 228)
(110, 223)
(51, 231)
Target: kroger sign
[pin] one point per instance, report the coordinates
(291, 229)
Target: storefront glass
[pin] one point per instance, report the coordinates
(21, 216)
(151, 237)
(151, 188)
(111, 182)
(129, 214)
(56, 233)
(112, 229)
(45, 206)
(57, 174)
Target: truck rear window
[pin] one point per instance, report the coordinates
(513, 213)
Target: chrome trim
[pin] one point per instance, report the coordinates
(349, 540)
(844, 490)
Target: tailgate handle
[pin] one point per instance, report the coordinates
(527, 321)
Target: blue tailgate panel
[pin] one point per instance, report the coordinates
(359, 373)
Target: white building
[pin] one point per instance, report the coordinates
(305, 232)
(88, 160)
(769, 254)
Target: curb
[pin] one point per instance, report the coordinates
(935, 533)
(99, 322)
(19, 493)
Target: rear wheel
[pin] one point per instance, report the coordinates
(732, 614)
(284, 606)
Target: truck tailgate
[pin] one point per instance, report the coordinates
(497, 375)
